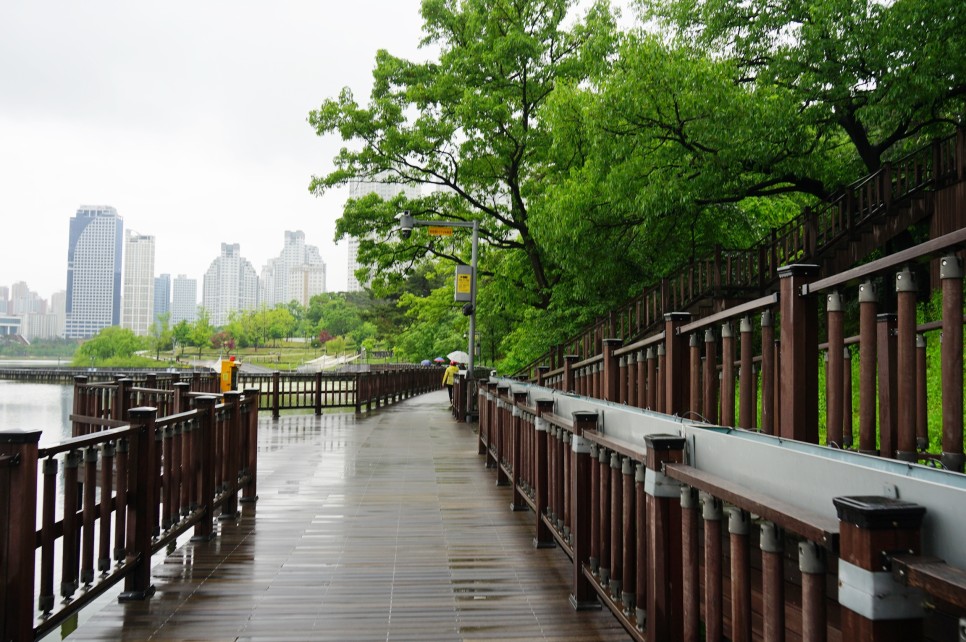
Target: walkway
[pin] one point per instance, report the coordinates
(378, 527)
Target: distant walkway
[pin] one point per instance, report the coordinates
(374, 527)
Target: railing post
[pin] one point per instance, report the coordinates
(611, 371)
(888, 380)
(874, 606)
(868, 355)
(181, 399)
(569, 385)
(232, 455)
(747, 390)
(811, 563)
(543, 537)
(250, 456)
(204, 466)
(767, 373)
(276, 384)
(951, 276)
(906, 363)
(122, 402)
(318, 394)
(799, 354)
(18, 526)
(727, 374)
(665, 599)
(739, 529)
(690, 565)
(835, 402)
(583, 596)
(142, 492)
(542, 375)
(772, 582)
(517, 502)
(710, 402)
(676, 377)
(711, 514)
(694, 344)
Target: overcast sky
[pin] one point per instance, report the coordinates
(188, 117)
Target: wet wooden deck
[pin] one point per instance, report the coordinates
(378, 527)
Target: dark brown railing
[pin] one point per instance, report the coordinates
(149, 459)
(813, 236)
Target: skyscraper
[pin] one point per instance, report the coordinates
(138, 301)
(230, 284)
(298, 273)
(162, 296)
(184, 300)
(386, 191)
(93, 270)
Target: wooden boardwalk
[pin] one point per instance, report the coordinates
(377, 527)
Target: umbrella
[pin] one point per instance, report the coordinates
(459, 356)
(439, 359)
(425, 362)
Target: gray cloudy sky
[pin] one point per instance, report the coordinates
(188, 117)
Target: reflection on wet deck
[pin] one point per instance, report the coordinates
(379, 527)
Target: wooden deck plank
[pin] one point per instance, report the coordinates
(379, 527)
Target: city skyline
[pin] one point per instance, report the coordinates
(194, 130)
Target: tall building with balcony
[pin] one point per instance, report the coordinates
(230, 285)
(386, 191)
(94, 270)
(286, 277)
(138, 299)
(184, 300)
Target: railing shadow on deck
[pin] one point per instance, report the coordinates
(149, 460)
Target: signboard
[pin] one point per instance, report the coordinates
(439, 230)
(464, 283)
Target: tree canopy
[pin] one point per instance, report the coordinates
(597, 161)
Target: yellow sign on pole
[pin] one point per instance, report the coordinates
(439, 230)
(463, 283)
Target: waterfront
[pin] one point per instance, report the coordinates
(36, 406)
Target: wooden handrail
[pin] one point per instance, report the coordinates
(812, 526)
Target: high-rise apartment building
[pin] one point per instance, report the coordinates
(94, 271)
(162, 296)
(386, 191)
(138, 300)
(184, 300)
(230, 284)
(286, 277)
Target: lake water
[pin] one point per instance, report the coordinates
(36, 406)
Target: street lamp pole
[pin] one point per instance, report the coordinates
(406, 225)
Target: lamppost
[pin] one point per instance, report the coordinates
(406, 225)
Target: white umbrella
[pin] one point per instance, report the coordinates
(458, 356)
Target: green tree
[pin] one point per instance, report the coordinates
(468, 125)
(181, 334)
(879, 75)
(110, 343)
(161, 334)
(201, 331)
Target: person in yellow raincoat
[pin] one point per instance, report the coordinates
(449, 378)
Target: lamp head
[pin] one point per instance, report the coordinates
(405, 224)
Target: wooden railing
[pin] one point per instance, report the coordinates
(110, 497)
(756, 365)
(149, 459)
(686, 532)
(753, 272)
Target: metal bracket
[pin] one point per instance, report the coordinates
(877, 596)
